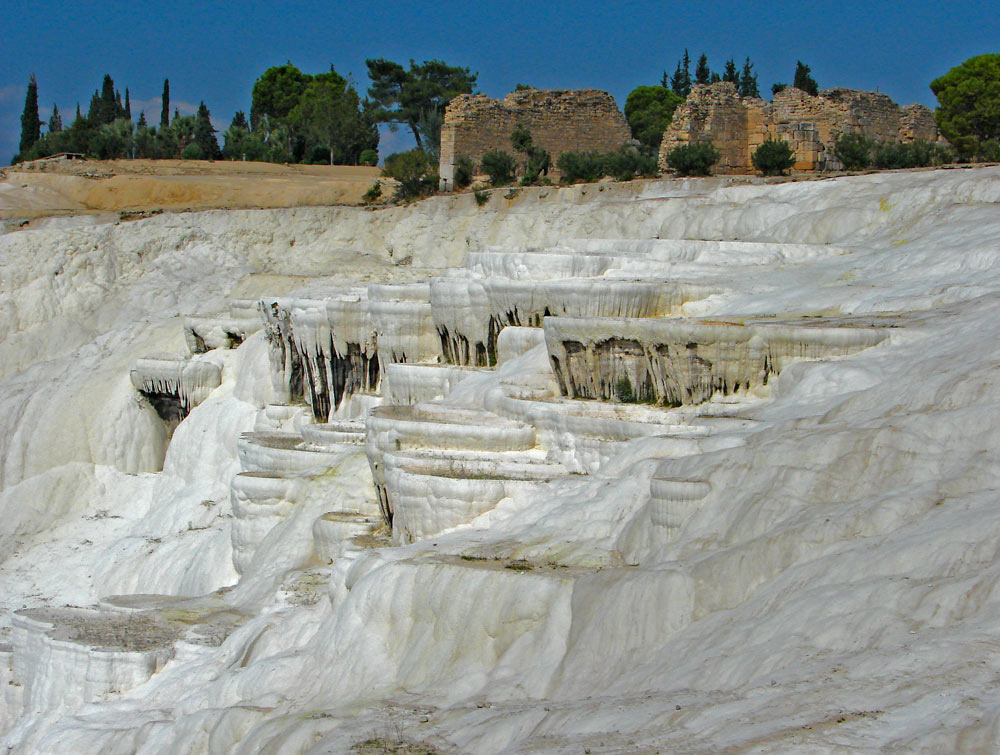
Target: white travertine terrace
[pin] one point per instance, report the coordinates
(462, 317)
(334, 531)
(64, 658)
(781, 555)
(682, 361)
(672, 499)
(498, 262)
(404, 328)
(259, 501)
(174, 387)
(515, 341)
(280, 453)
(526, 303)
(323, 349)
(637, 254)
(416, 383)
(206, 333)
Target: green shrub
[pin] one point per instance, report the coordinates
(499, 166)
(464, 171)
(482, 196)
(368, 157)
(853, 150)
(624, 392)
(773, 157)
(415, 171)
(624, 165)
(989, 151)
(373, 194)
(631, 162)
(587, 167)
(695, 159)
(538, 159)
(192, 152)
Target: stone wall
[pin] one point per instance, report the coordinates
(559, 120)
(810, 124)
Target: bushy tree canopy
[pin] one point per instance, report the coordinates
(329, 114)
(275, 93)
(968, 111)
(415, 172)
(300, 117)
(415, 98)
(773, 157)
(648, 111)
(803, 80)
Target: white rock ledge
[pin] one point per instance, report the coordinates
(680, 361)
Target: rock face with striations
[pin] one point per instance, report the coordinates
(560, 120)
(737, 126)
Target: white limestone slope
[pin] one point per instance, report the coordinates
(818, 572)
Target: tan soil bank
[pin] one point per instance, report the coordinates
(58, 187)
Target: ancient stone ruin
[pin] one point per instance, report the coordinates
(560, 120)
(737, 126)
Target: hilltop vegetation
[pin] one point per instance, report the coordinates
(297, 117)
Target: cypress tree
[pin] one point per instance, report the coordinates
(30, 123)
(680, 82)
(94, 111)
(55, 122)
(803, 80)
(165, 110)
(748, 81)
(142, 119)
(204, 133)
(79, 117)
(109, 103)
(702, 73)
(730, 73)
(128, 106)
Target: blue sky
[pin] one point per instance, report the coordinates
(215, 51)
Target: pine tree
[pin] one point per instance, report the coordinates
(128, 106)
(30, 124)
(748, 81)
(142, 120)
(702, 73)
(240, 121)
(55, 122)
(803, 80)
(715, 78)
(665, 80)
(165, 110)
(680, 82)
(204, 133)
(730, 73)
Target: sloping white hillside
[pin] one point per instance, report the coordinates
(585, 554)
